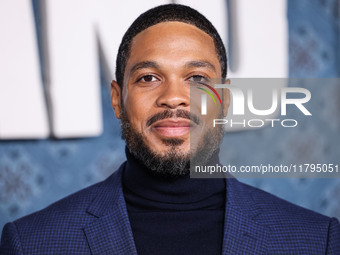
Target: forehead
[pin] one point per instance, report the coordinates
(172, 39)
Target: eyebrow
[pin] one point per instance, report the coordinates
(142, 65)
(190, 64)
(201, 63)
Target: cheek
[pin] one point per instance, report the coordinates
(138, 110)
(214, 112)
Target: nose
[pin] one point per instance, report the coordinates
(174, 94)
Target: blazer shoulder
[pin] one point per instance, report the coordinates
(59, 228)
(75, 204)
(275, 206)
(291, 227)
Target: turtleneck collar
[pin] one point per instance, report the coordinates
(144, 190)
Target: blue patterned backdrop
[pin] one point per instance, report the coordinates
(35, 173)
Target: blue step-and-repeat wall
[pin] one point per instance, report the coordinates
(35, 173)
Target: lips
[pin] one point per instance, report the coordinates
(172, 127)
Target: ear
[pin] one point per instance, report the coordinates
(226, 99)
(116, 98)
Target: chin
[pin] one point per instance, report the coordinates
(164, 149)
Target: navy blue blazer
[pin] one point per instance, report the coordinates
(95, 221)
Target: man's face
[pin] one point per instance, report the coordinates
(164, 61)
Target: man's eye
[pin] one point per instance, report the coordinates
(147, 78)
(198, 78)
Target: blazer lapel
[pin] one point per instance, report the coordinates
(242, 233)
(110, 231)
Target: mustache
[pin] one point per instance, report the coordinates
(180, 113)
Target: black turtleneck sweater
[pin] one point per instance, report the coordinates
(179, 216)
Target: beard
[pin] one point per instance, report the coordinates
(174, 163)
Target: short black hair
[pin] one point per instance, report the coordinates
(164, 13)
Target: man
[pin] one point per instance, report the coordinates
(150, 205)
